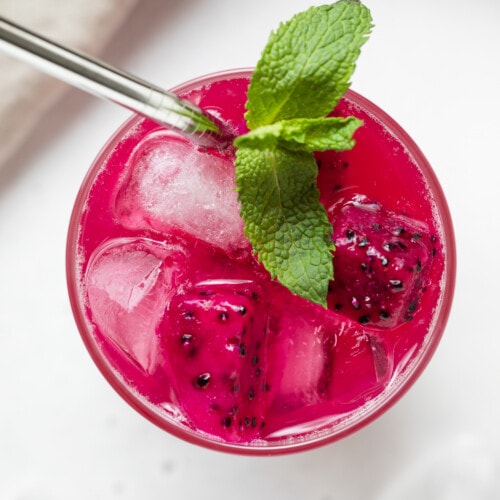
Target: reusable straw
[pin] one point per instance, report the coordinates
(107, 82)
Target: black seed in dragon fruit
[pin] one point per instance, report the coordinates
(381, 262)
(214, 338)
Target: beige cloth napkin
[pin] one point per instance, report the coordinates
(25, 93)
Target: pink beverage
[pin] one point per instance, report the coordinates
(189, 328)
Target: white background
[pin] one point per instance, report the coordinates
(64, 434)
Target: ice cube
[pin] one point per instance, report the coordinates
(300, 357)
(362, 367)
(300, 353)
(129, 282)
(327, 366)
(171, 183)
(306, 358)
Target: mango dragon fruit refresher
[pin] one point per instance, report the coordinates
(190, 328)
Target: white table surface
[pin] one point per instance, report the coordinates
(64, 433)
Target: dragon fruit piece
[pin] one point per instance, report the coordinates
(381, 263)
(214, 341)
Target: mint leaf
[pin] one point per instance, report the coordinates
(303, 134)
(284, 220)
(307, 63)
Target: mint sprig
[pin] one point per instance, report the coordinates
(304, 71)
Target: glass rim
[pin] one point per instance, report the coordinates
(372, 409)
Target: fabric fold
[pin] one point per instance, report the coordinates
(26, 93)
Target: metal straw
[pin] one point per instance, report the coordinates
(105, 81)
